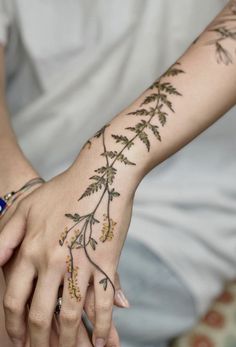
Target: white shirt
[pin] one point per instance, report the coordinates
(72, 65)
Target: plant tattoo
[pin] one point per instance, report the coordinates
(224, 29)
(154, 107)
(104, 177)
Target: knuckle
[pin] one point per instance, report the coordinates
(26, 251)
(13, 331)
(55, 260)
(102, 329)
(12, 305)
(104, 307)
(69, 317)
(38, 320)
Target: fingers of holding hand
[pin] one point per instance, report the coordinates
(19, 287)
(42, 308)
(12, 234)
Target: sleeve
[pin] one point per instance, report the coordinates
(4, 22)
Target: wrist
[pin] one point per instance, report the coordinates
(13, 179)
(91, 162)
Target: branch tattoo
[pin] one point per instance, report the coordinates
(81, 234)
(224, 29)
(153, 108)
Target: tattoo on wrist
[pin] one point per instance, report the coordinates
(224, 29)
(156, 106)
(103, 179)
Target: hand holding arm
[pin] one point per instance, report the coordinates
(15, 171)
(83, 215)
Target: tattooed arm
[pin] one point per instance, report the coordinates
(93, 199)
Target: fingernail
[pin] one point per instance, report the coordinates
(100, 343)
(120, 296)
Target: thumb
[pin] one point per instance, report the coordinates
(12, 235)
(120, 298)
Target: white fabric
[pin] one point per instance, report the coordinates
(72, 65)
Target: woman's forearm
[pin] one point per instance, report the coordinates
(183, 102)
(15, 169)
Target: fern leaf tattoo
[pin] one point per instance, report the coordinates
(224, 29)
(153, 107)
(156, 106)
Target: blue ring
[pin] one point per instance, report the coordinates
(3, 206)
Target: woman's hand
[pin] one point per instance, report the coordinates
(79, 249)
(6, 269)
(9, 241)
(83, 338)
